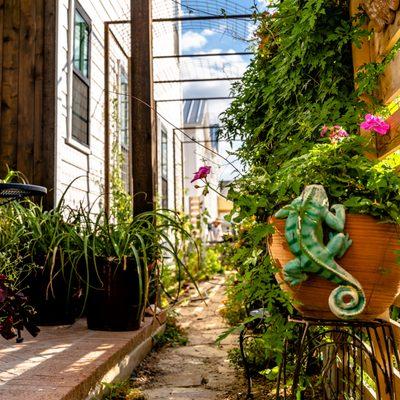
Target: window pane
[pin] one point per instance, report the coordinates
(81, 45)
(80, 110)
(164, 155)
(164, 169)
(124, 110)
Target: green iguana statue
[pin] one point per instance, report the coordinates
(304, 234)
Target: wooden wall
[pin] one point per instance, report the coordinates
(384, 22)
(27, 89)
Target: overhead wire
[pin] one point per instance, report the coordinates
(177, 128)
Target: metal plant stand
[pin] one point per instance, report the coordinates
(18, 191)
(340, 360)
(251, 330)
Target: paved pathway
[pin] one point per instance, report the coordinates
(199, 370)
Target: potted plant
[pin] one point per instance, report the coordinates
(53, 284)
(115, 258)
(37, 239)
(336, 253)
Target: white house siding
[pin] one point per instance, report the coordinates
(73, 160)
(166, 43)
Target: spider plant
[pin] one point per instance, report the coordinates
(108, 251)
(53, 283)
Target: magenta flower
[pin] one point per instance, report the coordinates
(375, 124)
(201, 173)
(324, 130)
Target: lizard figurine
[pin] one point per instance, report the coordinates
(304, 234)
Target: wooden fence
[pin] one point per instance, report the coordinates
(385, 23)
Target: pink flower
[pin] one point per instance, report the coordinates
(376, 124)
(324, 130)
(201, 173)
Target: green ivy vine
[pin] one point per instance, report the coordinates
(300, 79)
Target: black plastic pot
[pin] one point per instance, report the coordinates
(117, 301)
(55, 305)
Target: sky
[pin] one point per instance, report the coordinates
(204, 37)
(219, 36)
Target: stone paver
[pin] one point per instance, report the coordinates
(201, 369)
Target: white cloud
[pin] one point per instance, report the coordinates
(192, 40)
(208, 32)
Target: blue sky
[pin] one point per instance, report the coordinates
(217, 36)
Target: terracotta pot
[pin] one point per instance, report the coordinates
(371, 259)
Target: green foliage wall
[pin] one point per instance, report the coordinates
(300, 79)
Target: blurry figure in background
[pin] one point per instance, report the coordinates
(216, 231)
(209, 232)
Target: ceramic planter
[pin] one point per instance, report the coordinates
(372, 259)
(117, 301)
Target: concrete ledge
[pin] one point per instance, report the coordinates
(70, 362)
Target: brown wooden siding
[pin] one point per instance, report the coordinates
(27, 89)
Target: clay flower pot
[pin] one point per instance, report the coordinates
(372, 260)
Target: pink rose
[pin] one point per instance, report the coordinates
(375, 124)
(201, 173)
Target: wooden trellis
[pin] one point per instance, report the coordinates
(384, 20)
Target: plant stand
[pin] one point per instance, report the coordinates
(249, 331)
(340, 360)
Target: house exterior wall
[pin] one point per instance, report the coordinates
(36, 87)
(87, 164)
(169, 114)
(74, 160)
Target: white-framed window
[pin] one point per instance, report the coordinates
(81, 77)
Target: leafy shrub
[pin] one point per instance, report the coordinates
(300, 79)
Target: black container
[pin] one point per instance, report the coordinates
(117, 301)
(55, 305)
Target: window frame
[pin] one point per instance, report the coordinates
(75, 72)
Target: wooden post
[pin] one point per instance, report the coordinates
(143, 133)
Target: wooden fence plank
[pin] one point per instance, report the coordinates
(39, 117)
(1, 51)
(45, 158)
(26, 85)
(9, 116)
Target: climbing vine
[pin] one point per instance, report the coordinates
(301, 79)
